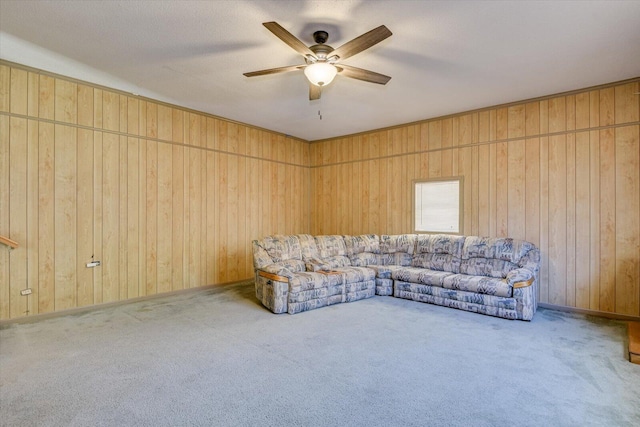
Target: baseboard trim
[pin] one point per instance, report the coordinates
(596, 313)
(80, 310)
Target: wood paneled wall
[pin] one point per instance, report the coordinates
(562, 172)
(165, 198)
(169, 199)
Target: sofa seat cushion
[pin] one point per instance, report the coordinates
(470, 301)
(355, 274)
(336, 262)
(384, 271)
(420, 275)
(491, 267)
(308, 280)
(293, 265)
(478, 284)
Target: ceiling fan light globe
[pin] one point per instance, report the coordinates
(320, 73)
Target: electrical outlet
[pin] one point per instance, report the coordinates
(26, 292)
(93, 264)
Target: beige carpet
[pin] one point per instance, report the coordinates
(218, 358)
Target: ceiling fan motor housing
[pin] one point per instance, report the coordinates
(320, 37)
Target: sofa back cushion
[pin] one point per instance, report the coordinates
(440, 252)
(492, 256)
(308, 246)
(364, 259)
(330, 246)
(403, 243)
(293, 265)
(363, 243)
(282, 248)
(262, 258)
(398, 258)
(362, 250)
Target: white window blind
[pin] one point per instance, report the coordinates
(438, 205)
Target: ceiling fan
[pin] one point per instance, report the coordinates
(322, 61)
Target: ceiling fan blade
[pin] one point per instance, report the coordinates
(360, 74)
(289, 38)
(275, 70)
(314, 92)
(362, 42)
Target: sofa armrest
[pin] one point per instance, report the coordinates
(277, 270)
(272, 288)
(520, 278)
(524, 284)
(273, 276)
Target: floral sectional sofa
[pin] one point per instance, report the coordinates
(494, 276)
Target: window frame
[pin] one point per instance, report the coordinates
(414, 186)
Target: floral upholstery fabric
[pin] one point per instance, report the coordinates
(470, 273)
(336, 296)
(260, 256)
(359, 290)
(526, 302)
(496, 257)
(438, 252)
(384, 271)
(440, 262)
(478, 284)
(519, 275)
(390, 244)
(330, 246)
(282, 248)
(396, 258)
(420, 275)
(273, 294)
(459, 295)
(440, 244)
(356, 274)
(334, 262)
(477, 303)
(487, 267)
(312, 290)
(363, 243)
(384, 287)
(278, 269)
(531, 260)
(364, 259)
(306, 281)
(308, 247)
(505, 249)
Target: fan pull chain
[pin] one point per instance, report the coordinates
(320, 114)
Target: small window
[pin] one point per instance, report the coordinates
(437, 205)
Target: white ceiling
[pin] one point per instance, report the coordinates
(444, 57)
